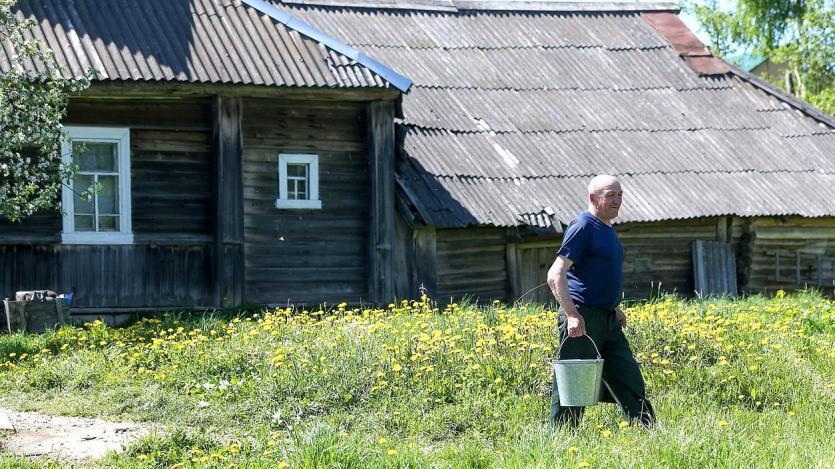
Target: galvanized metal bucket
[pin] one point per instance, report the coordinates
(578, 380)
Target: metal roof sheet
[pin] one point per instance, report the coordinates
(205, 41)
(453, 201)
(513, 111)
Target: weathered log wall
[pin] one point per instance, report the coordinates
(806, 246)
(172, 203)
(306, 256)
(471, 264)
(657, 257)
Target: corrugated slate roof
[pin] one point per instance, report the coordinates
(512, 112)
(200, 41)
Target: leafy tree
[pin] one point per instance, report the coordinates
(799, 34)
(33, 99)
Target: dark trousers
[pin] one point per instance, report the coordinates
(622, 380)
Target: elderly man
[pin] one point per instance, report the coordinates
(587, 280)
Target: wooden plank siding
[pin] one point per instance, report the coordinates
(229, 223)
(170, 263)
(381, 222)
(306, 256)
(789, 235)
(659, 255)
(471, 263)
(654, 254)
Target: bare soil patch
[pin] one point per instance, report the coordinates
(36, 435)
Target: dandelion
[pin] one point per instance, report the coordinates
(235, 448)
(381, 441)
(623, 424)
(723, 423)
(606, 433)
(573, 449)
(584, 463)
(391, 452)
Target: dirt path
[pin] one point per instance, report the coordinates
(33, 435)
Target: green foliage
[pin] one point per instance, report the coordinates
(798, 34)
(33, 95)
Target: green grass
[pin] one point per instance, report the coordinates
(748, 383)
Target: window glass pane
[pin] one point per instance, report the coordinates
(302, 189)
(108, 223)
(292, 193)
(108, 195)
(297, 170)
(84, 223)
(80, 184)
(96, 156)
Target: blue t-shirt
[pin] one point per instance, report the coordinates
(596, 276)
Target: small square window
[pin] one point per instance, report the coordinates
(298, 182)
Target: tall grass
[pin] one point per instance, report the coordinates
(735, 383)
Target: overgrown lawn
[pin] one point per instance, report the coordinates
(735, 383)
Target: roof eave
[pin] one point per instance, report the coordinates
(397, 80)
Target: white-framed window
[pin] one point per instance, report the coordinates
(102, 155)
(298, 181)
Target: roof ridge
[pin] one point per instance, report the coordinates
(397, 80)
(456, 6)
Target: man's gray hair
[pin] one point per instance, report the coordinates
(600, 181)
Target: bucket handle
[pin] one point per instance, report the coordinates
(585, 335)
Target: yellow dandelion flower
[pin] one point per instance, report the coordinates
(606, 433)
(391, 452)
(723, 423)
(235, 448)
(283, 465)
(584, 463)
(381, 441)
(573, 449)
(623, 424)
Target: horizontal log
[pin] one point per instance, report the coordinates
(766, 222)
(291, 145)
(114, 89)
(788, 233)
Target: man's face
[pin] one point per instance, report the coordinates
(607, 200)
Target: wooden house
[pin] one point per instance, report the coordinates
(275, 156)
(243, 157)
(516, 105)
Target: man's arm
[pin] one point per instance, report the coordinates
(558, 281)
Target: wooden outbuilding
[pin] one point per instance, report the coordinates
(516, 105)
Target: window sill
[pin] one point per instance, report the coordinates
(299, 204)
(96, 238)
